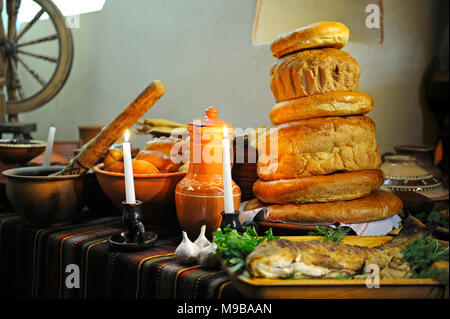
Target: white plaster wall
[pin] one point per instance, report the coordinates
(202, 50)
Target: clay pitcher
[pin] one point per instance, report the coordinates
(199, 197)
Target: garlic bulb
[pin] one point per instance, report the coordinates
(187, 251)
(202, 241)
(207, 258)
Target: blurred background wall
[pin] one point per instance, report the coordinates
(212, 52)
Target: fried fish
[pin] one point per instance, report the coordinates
(318, 259)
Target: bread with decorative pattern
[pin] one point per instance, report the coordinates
(313, 72)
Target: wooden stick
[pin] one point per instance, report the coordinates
(93, 150)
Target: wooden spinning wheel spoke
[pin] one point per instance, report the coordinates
(40, 40)
(38, 56)
(30, 24)
(33, 73)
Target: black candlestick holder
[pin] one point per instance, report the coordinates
(232, 219)
(134, 238)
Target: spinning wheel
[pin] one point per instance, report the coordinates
(13, 49)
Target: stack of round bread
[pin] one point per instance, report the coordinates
(320, 163)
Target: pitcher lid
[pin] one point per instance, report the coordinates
(210, 120)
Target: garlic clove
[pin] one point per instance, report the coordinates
(207, 257)
(187, 251)
(202, 241)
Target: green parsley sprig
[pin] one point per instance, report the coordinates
(234, 247)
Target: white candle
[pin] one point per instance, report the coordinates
(227, 182)
(130, 197)
(49, 147)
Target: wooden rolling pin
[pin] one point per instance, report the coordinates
(94, 149)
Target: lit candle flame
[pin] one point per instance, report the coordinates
(127, 136)
(225, 132)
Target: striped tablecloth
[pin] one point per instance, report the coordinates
(33, 264)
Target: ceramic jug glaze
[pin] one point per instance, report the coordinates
(199, 196)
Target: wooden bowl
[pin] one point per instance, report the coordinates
(20, 153)
(44, 200)
(156, 191)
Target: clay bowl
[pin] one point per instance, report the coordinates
(44, 200)
(156, 191)
(20, 153)
(403, 174)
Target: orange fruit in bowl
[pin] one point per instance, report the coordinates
(143, 167)
(116, 167)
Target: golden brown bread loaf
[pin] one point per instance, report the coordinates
(143, 167)
(313, 72)
(113, 155)
(316, 35)
(160, 160)
(340, 103)
(318, 146)
(376, 206)
(325, 188)
(164, 145)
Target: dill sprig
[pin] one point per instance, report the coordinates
(335, 235)
(421, 253)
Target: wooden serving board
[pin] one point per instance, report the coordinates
(263, 288)
(364, 241)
